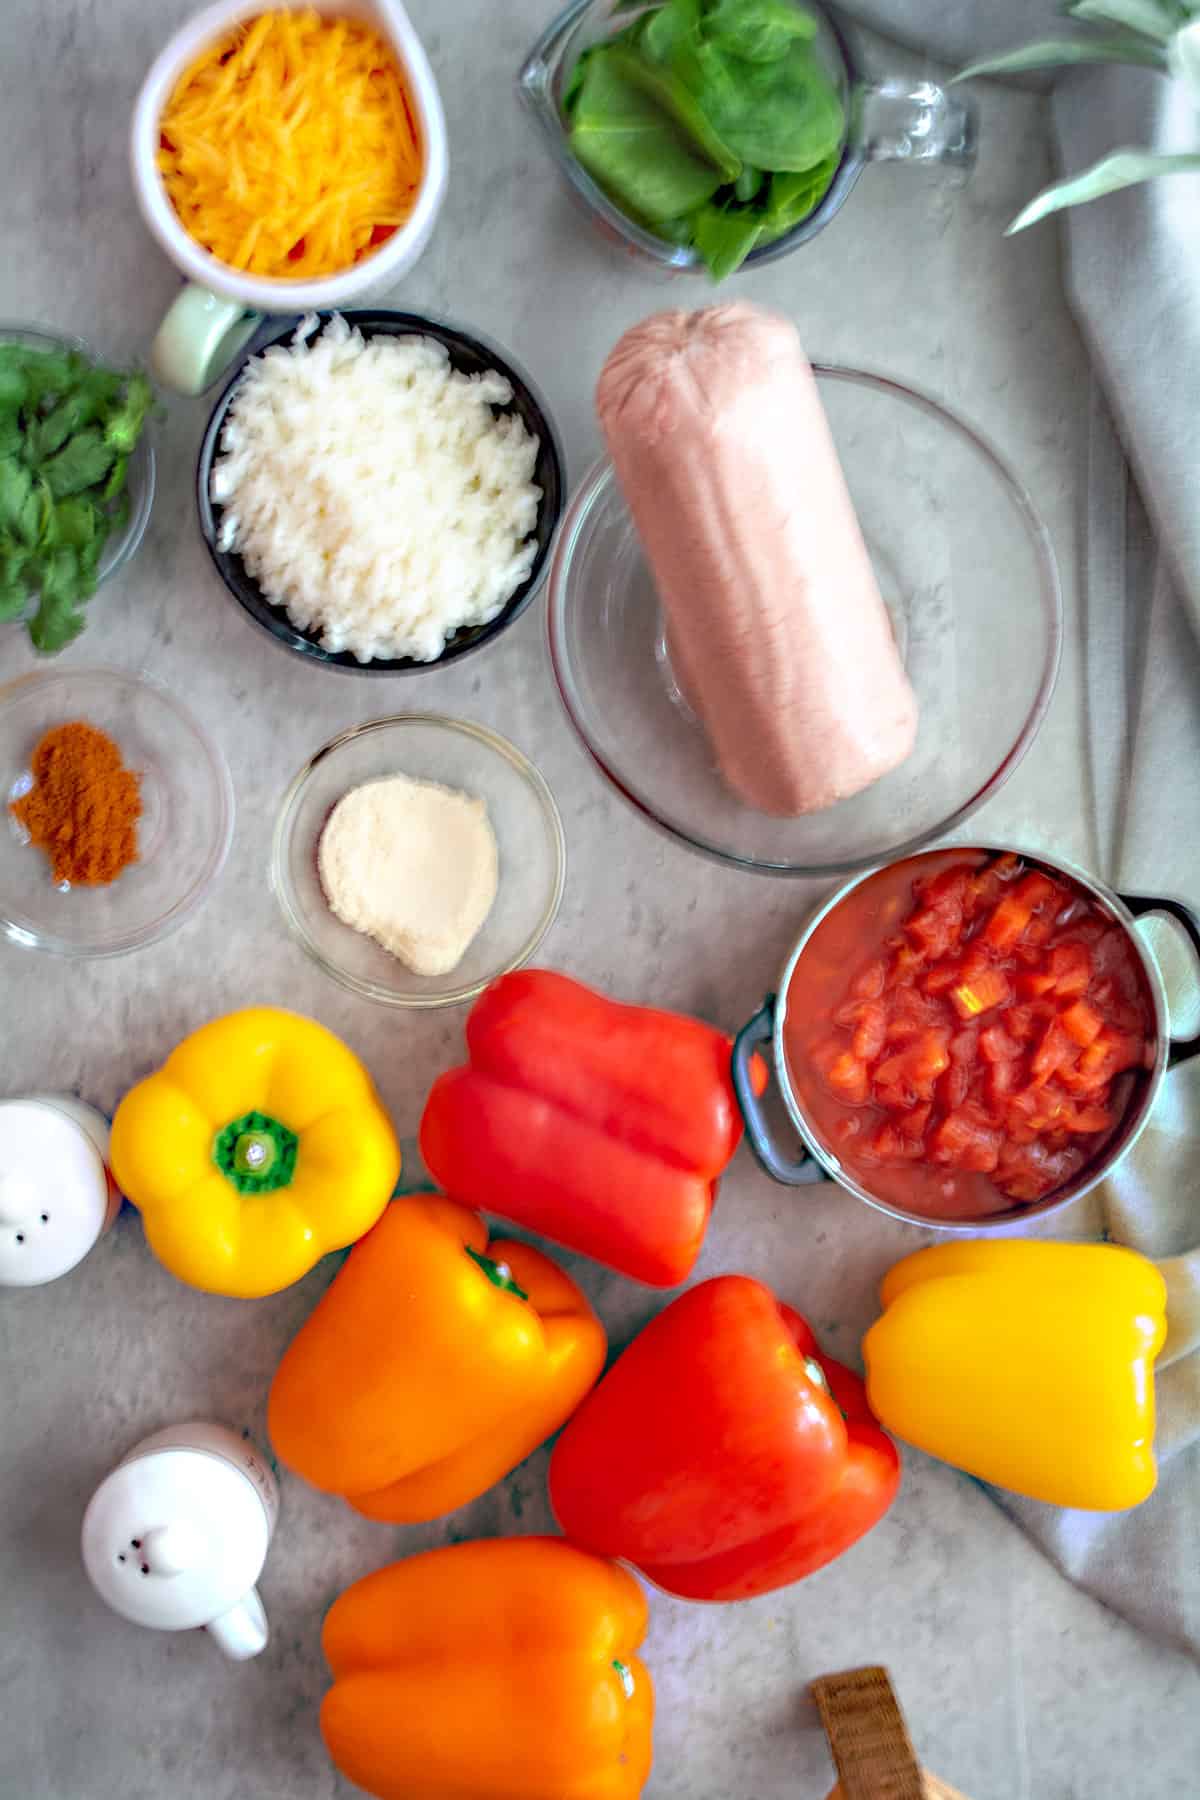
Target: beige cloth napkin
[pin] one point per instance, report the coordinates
(1133, 281)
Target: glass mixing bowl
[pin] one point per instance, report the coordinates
(966, 568)
(458, 754)
(183, 834)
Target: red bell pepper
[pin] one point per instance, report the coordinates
(723, 1455)
(601, 1126)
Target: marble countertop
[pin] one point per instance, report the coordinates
(1016, 1685)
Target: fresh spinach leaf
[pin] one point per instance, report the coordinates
(626, 141)
(777, 115)
(725, 237)
(792, 195)
(669, 31)
(663, 86)
(758, 30)
(748, 183)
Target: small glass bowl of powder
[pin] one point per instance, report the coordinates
(117, 811)
(416, 858)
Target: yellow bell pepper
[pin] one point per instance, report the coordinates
(259, 1146)
(411, 1409)
(1026, 1363)
(503, 1670)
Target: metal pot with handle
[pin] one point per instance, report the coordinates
(817, 1159)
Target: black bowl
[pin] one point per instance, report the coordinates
(472, 356)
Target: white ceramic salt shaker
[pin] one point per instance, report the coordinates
(177, 1535)
(56, 1193)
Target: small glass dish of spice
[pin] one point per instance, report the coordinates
(418, 857)
(118, 812)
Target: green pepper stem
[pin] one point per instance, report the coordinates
(256, 1153)
(499, 1274)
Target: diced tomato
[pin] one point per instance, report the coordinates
(1082, 1022)
(983, 1035)
(1035, 889)
(891, 1144)
(868, 983)
(980, 993)
(1007, 922)
(941, 976)
(870, 1034)
(1088, 1119)
(998, 1085)
(848, 1078)
(996, 1045)
(953, 1087)
(1055, 1051)
(1071, 967)
(913, 1125)
(966, 1142)
(935, 929)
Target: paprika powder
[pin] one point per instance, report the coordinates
(83, 808)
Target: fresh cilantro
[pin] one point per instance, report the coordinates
(67, 430)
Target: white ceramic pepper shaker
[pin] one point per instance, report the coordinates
(56, 1193)
(177, 1535)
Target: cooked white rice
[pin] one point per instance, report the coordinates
(370, 490)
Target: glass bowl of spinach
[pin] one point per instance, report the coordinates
(76, 478)
(704, 134)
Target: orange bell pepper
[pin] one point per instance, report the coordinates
(434, 1364)
(503, 1670)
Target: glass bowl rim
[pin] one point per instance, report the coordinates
(30, 937)
(491, 741)
(601, 476)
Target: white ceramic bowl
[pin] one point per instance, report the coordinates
(178, 358)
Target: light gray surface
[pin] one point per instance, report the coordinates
(1017, 1687)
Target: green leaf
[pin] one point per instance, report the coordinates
(1152, 18)
(59, 617)
(778, 115)
(80, 464)
(665, 88)
(758, 30)
(14, 588)
(670, 31)
(633, 150)
(1124, 168)
(16, 487)
(792, 196)
(725, 238)
(49, 373)
(1057, 53)
(748, 183)
(124, 426)
(14, 387)
(116, 482)
(75, 522)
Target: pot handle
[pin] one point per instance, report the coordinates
(1182, 1049)
(790, 1171)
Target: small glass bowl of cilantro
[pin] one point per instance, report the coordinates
(76, 479)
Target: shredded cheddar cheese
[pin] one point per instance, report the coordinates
(289, 148)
